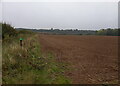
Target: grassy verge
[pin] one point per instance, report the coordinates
(0, 62)
(27, 65)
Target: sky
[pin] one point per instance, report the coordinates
(61, 15)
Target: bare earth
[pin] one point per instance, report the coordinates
(92, 59)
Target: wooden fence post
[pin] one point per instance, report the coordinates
(21, 39)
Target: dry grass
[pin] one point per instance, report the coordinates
(27, 65)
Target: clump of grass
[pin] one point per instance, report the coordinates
(27, 65)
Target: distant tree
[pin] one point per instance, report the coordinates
(51, 28)
(108, 32)
(76, 29)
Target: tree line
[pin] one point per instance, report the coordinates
(109, 32)
(9, 31)
(105, 32)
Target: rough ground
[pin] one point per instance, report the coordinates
(91, 59)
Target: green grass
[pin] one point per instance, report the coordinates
(27, 65)
(0, 54)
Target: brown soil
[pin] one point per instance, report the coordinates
(91, 59)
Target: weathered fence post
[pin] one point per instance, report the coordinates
(21, 42)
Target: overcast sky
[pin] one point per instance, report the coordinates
(80, 15)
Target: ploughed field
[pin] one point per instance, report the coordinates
(89, 59)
